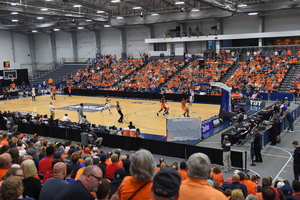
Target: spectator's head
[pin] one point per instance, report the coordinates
(265, 182)
(182, 166)
(103, 158)
(96, 160)
(5, 161)
(114, 158)
(142, 166)
(295, 143)
(198, 166)
(217, 169)
(91, 178)
(13, 172)
(119, 175)
(11, 188)
(50, 151)
(296, 186)
(242, 176)
(251, 197)
(287, 192)
(236, 194)
(69, 170)
(166, 183)
(87, 150)
(268, 193)
(88, 161)
(103, 190)
(29, 168)
(235, 178)
(126, 165)
(75, 157)
(81, 104)
(60, 170)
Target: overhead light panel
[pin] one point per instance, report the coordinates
(13, 4)
(100, 11)
(56, 29)
(253, 13)
(115, 1)
(77, 6)
(137, 8)
(34, 31)
(88, 20)
(80, 27)
(107, 26)
(179, 2)
(154, 14)
(49, 0)
(40, 18)
(14, 20)
(14, 13)
(119, 17)
(195, 10)
(44, 9)
(242, 5)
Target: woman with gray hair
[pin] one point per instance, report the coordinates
(138, 185)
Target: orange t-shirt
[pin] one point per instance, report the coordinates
(79, 172)
(2, 172)
(183, 174)
(129, 185)
(4, 142)
(218, 178)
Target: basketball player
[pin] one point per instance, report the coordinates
(107, 105)
(183, 102)
(53, 92)
(70, 90)
(191, 99)
(119, 109)
(33, 94)
(162, 106)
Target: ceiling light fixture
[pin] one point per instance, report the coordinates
(154, 14)
(119, 17)
(80, 27)
(242, 5)
(195, 10)
(253, 13)
(56, 29)
(44, 9)
(34, 31)
(14, 20)
(107, 26)
(77, 6)
(13, 4)
(14, 13)
(40, 18)
(100, 11)
(179, 2)
(88, 20)
(137, 8)
(115, 1)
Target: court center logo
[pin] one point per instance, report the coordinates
(87, 107)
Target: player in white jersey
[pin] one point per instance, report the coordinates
(191, 99)
(107, 105)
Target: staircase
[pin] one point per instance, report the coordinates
(229, 73)
(288, 79)
(58, 74)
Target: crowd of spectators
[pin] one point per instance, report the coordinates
(34, 168)
(263, 75)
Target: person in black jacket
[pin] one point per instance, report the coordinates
(275, 130)
(296, 164)
(257, 146)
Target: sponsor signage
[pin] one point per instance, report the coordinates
(256, 103)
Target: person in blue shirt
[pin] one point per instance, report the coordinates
(291, 120)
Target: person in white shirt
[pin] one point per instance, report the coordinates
(51, 107)
(66, 118)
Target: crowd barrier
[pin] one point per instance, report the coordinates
(132, 143)
(276, 96)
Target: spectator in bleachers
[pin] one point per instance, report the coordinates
(198, 171)
(45, 164)
(236, 184)
(5, 163)
(182, 170)
(55, 184)
(110, 169)
(89, 181)
(142, 169)
(11, 189)
(117, 180)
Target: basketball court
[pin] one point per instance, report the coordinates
(141, 112)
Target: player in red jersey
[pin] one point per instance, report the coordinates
(186, 110)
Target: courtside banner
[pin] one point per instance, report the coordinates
(183, 129)
(207, 127)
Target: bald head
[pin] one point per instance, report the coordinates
(235, 178)
(60, 170)
(5, 161)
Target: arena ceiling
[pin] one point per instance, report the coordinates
(68, 15)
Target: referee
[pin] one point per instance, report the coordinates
(51, 107)
(226, 145)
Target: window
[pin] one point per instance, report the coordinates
(160, 46)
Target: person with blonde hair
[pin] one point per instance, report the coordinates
(139, 184)
(12, 189)
(32, 186)
(236, 194)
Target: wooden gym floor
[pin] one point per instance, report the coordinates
(141, 112)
